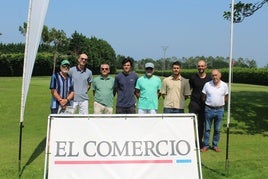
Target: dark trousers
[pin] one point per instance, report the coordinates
(126, 110)
(199, 110)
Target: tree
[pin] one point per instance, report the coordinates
(99, 51)
(78, 43)
(251, 63)
(57, 38)
(240, 62)
(23, 29)
(45, 35)
(243, 10)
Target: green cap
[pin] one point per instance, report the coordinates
(65, 62)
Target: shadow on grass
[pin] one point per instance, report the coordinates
(213, 170)
(38, 150)
(250, 112)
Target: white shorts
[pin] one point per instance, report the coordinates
(82, 107)
(147, 111)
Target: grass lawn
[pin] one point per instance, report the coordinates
(248, 132)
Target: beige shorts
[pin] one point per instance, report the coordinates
(101, 109)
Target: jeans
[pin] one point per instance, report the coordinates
(211, 115)
(173, 110)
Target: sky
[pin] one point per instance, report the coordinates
(142, 28)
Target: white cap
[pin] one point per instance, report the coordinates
(149, 65)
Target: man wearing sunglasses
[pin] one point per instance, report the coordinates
(82, 78)
(103, 86)
(61, 89)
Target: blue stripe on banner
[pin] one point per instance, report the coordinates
(184, 161)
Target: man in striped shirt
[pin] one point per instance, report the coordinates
(61, 89)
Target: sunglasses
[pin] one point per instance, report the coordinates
(85, 59)
(65, 66)
(149, 68)
(104, 69)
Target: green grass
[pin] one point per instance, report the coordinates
(248, 132)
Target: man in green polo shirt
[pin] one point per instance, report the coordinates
(103, 87)
(147, 90)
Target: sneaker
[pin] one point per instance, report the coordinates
(204, 149)
(216, 149)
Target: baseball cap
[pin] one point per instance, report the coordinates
(149, 65)
(65, 62)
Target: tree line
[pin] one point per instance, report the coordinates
(55, 43)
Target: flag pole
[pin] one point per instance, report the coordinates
(229, 86)
(22, 108)
(20, 142)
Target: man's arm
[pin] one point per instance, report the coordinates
(56, 95)
(204, 97)
(88, 86)
(137, 93)
(94, 92)
(226, 98)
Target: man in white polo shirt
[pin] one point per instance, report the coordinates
(215, 94)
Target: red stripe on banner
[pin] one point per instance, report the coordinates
(59, 162)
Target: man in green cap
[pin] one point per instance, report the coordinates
(61, 89)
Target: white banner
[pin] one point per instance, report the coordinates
(122, 147)
(36, 17)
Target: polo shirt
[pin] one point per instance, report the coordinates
(81, 79)
(149, 88)
(103, 88)
(63, 86)
(175, 91)
(215, 95)
(124, 85)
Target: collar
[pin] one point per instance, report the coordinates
(172, 77)
(80, 70)
(107, 78)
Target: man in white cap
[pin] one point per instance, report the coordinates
(147, 90)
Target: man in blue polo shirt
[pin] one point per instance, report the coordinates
(148, 91)
(124, 86)
(103, 86)
(82, 78)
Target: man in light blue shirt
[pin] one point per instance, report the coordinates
(147, 90)
(82, 78)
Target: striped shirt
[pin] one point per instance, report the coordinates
(62, 86)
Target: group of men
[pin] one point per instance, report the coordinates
(70, 86)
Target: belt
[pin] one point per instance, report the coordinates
(214, 107)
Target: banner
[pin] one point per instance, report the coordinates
(36, 17)
(122, 147)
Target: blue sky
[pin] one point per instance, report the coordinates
(139, 28)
